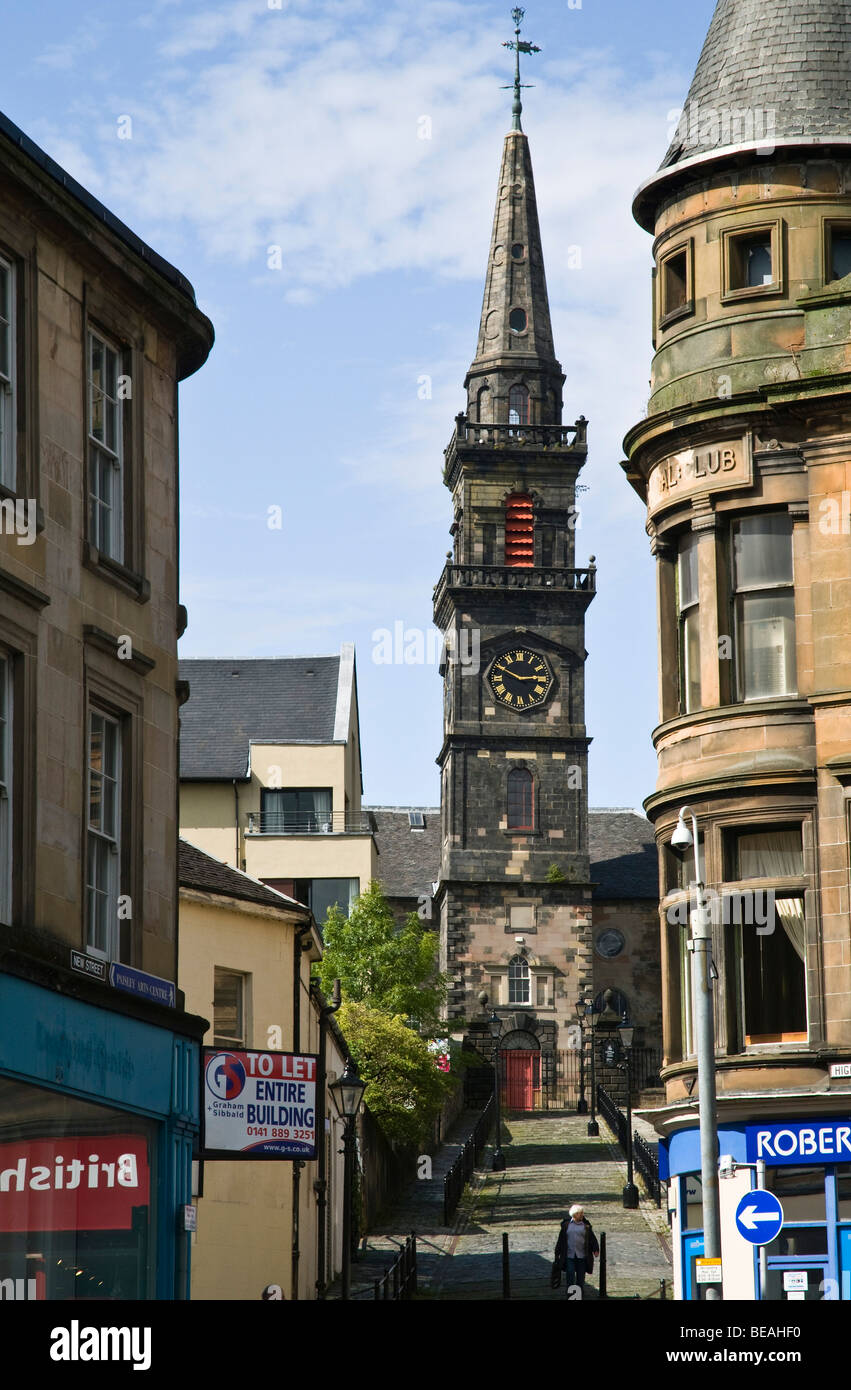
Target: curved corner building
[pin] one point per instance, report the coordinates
(744, 463)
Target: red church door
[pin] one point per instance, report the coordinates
(521, 1078)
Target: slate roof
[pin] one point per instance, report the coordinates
(199, 870)
(622, 846)
(408, 860)
(290, 699)
(791, 59)
(624, 861)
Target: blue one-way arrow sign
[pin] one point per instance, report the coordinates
(759, 1216)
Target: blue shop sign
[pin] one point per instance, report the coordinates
(803, 1142)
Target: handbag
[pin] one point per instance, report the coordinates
(555, 1275)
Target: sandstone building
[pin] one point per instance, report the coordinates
(98, 1057)
(744, 464)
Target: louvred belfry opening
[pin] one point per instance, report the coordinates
(519, 531)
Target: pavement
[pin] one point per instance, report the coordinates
(550, 1163)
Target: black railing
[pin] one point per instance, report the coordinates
(464, 1166)
(399, 1280)
(643, 1156)
(647, 1163)
(484, 435)
(511, 577)
(308, 823)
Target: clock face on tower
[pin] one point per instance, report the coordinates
(520, 679)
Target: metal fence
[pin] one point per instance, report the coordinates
(644, 1159)
(463, 1167)
(399, 1280)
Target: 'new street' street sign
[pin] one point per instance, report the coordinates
(759, 1216)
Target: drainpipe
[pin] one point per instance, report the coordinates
(298, 1164)
(236, 817)
(320, 1187)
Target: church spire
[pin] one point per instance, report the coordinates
(515, 347)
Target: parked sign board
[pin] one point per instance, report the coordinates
(258, 1104)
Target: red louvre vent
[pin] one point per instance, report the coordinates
(519, 531)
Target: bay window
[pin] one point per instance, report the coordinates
(764, 607)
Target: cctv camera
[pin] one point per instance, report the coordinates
(682, 836)
(520, 940)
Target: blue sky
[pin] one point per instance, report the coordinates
(300, 128)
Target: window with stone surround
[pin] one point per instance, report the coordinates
(688, 618)
(837, 251)
(752, 261)
(103, 838)
(677, 292)
(764, 606)
(765, 916)
(105, 447)
(519, 984)
(8, 375)
(521, 811)
(518, 406)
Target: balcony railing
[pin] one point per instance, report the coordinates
(308, 823)
(505, 577)
(518, 436)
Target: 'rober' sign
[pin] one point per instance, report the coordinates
(708, 469)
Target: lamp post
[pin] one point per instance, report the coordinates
(495, 1030)
(700, 946)
(347, 1092)
(582, 1105)
(591, 1013)
(630, 1192)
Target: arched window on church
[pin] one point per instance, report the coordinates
(519, 531)
(519, 991)
(518, 406)
(521, 812)
(483, 406)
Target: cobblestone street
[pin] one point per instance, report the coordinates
(550, 1163)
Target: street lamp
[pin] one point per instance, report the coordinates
(582, 1106)
(700, 946)
(630, 1193)
(347, 1092)
(592, 1012)
(495, 1030)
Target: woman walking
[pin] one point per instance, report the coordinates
(576, 1247)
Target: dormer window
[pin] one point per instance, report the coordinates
(518, 406)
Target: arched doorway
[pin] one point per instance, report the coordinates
(520, 1058)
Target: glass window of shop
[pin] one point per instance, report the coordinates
(77, 1184)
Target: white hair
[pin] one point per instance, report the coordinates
(576, 1208)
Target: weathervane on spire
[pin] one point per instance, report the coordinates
(519, 46)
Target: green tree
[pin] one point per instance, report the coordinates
(404, 1088)
(381, 964)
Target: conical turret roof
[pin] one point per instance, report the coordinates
(772, 74)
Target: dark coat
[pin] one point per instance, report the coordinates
(592, 1247)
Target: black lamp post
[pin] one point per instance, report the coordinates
(495, 1029)
(348, 1091)
(582, 1105)
(591, 1013)
(630, 1192)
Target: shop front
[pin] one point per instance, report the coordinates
(807, 1166)
(98, 1123)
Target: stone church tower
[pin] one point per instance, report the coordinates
(514, 897)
